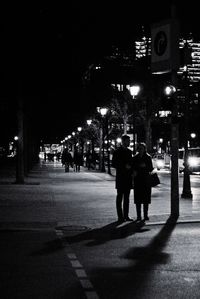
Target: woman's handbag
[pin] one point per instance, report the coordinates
(154, 179)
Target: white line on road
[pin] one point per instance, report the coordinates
(78, 268)
(76, 264)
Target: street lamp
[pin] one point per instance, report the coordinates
(134, 91)
(89, 121)
(193, 136)
(80, 143)
(88, 148)
(119, 140)
(169, 90)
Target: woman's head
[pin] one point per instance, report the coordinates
(142, 148)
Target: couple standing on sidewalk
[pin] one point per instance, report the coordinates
(132, 172)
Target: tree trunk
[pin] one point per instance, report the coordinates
(148, 134)
(125, 126)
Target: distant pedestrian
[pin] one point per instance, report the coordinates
(122, 161)
(89, 160)
(66, 159)
(94, 159)
(142, 167)
(78, 160)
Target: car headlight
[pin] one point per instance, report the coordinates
(192, 161)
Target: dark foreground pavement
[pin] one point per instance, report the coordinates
(59, 239)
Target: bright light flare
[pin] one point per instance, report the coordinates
(169, 90)
(192, 161)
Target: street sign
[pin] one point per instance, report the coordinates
(165, 46)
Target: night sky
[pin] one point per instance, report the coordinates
(46, 48)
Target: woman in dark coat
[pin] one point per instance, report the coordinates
(142, 167)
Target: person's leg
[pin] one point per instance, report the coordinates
(126, 204)
(138, 211)
(146, 207)
(66, 167)
(119, 205)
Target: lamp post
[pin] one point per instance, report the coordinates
(103, 112)
(20, 142)
(73, 142)
(79, 129)
(134, 91)
(171, 92)
(193, 136)
(108, 145)
(186, 193)
(89, 123)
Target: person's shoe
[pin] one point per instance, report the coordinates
(139, 219)
(120, 220)
(128, 219)
(146, 218)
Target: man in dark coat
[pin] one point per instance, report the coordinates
(122, 161)
(66, 159)
(142, 168)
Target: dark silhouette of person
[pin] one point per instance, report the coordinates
(89, 160)
(142, 168)
(122, 161)
(67, 159)
(78, 161)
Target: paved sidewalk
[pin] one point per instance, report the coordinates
(33, 202)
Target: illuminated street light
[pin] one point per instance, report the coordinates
(89, 121)
(103, 111)
(169, 90)
(119, 140)
(134, 90)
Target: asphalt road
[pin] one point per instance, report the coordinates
(59, 239)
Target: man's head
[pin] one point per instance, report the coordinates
(125, 140)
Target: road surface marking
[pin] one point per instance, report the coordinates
(76, 264)
(86, 284)
(80, 273)
(71, 256)
(78, 268)
(91, 295)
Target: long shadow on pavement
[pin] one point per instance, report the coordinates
(133, 279)
(107, 233)
(95, 236)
